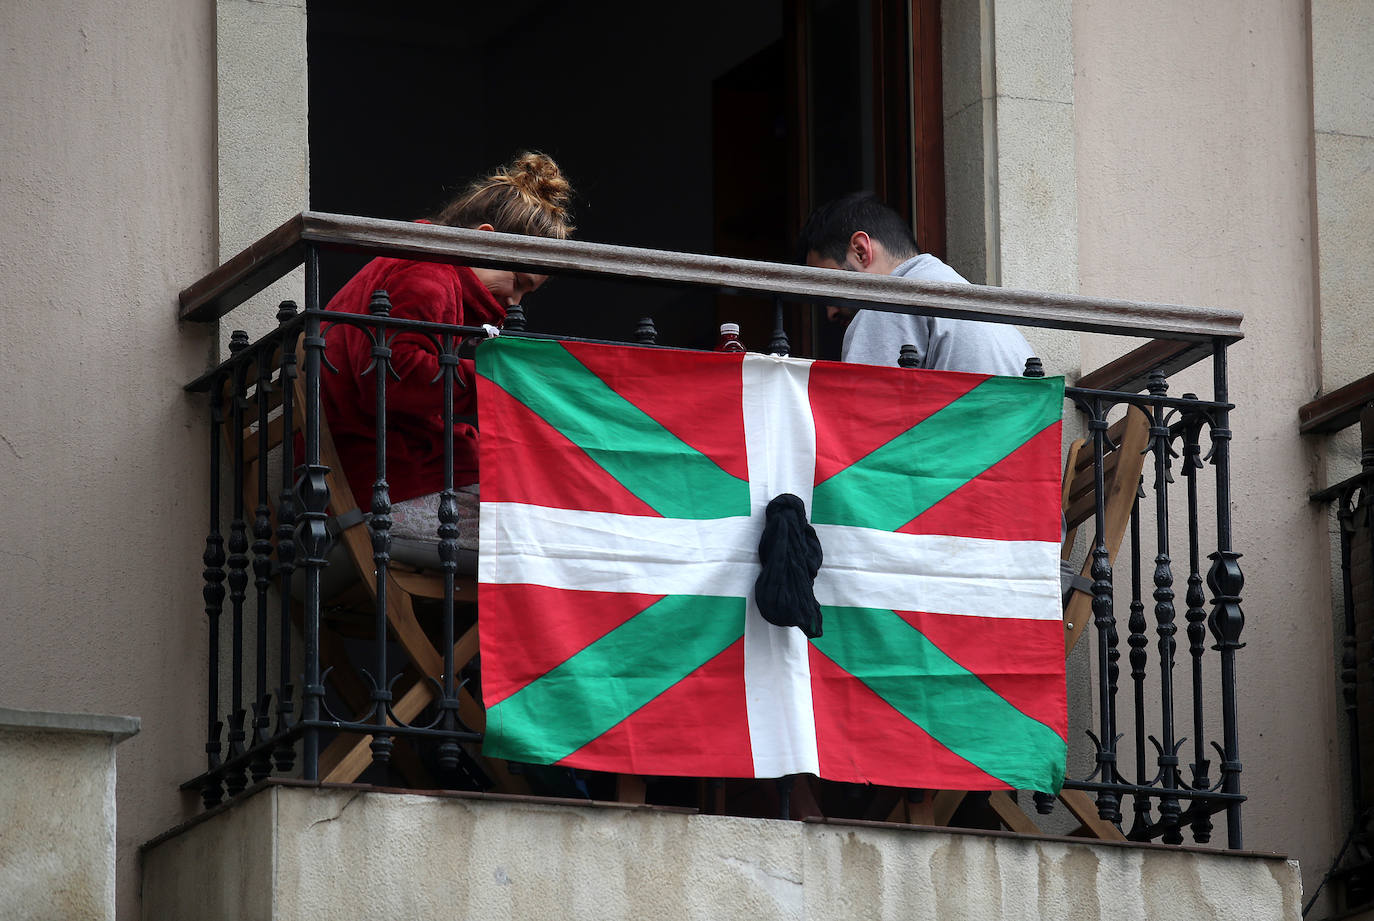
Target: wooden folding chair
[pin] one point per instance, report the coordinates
(1121, 470)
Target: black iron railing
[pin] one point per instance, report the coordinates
(265, 412)
(1352, 501)
(1178, 428)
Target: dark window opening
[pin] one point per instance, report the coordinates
(713, 131)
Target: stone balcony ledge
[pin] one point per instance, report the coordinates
(118, 728)
(290, 851)
(57, 813)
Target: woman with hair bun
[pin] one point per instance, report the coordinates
(527, 196)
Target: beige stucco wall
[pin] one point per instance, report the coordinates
(141, 146)
(57, 809)
(1343, 154)
(262, 134)
(341, 853)
(1193, 129)
(969, 111)
(1011, 189)
(1192, 167)
(1343, 118)
(107, 185)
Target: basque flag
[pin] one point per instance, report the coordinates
(623, 499)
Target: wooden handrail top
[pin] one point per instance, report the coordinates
(282, 250)
(1131, 372)
(1338, 410)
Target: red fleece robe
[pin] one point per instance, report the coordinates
(414, 404)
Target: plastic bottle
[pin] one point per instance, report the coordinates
(729, 338)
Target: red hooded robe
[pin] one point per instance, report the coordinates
(414, 404)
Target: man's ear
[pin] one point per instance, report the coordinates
(862, 248)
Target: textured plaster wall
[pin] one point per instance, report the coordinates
(344, 854)
(970, 143)
(1343, 120)
(1009, 154)
(57, 809)
(1193, 146)
(107, 182)
(263, 138)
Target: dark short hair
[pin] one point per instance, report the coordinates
(830, 226)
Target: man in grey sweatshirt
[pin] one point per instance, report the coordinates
(858, 233)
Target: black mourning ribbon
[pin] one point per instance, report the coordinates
(791, 555)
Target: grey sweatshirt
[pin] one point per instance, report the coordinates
(875, 337)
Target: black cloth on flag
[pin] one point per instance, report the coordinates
(791, 555)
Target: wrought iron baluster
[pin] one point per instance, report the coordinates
(448, 558)
(380, 524)
(646, 333)
(313, 490)
(238, 568)
(1226, 581)
(1139, 656)
(784, 787)
(1044, 802)
(1355, 510)
(1169, 810)
(779, 345)
(909, 357)
(1104, 619)
(515, 319)
(261, 766)
(1196, 616)
(285, 753)
(213, 593)
(1113, 686)
(1345, 518)
(1359, 502)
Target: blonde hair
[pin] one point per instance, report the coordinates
(530, 195)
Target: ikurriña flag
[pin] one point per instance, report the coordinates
(623, 497)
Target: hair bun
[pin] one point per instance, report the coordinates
(529, 195)
(536, 175)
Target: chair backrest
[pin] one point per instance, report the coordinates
(1121, 469)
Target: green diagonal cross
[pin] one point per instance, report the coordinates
(667, 474)
(929, 461)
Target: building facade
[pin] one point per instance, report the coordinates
(1218, 155)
